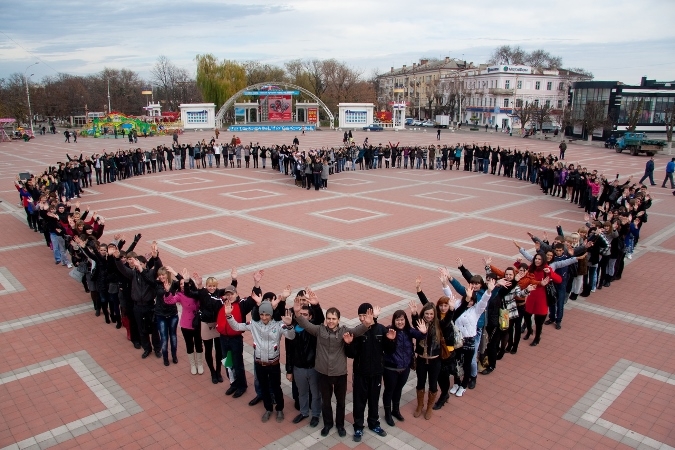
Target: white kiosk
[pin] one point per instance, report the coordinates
(198, 116)
(355, 115)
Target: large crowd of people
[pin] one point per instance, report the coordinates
(475, 321)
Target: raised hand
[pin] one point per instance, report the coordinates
(413, 307)
(256, 298)
(233, 273)
(516, 244)
(287, 318)
(313, 299)
(170, 270)
(391, 334)
(459, 262)
(545, 281)
(370, 319)
(418, 283)
(286, 292)
(502, 282)
(487, 260)
(137, 237)
(376, 311)
(186, 274)
(491, 284)
(422, 326)
(117, 237)
(348, 338)
(519, 276)
(275, 302)
(228, 308)
(257, 276)
(197, 279)
(469, 292)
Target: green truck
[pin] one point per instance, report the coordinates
(637, 143)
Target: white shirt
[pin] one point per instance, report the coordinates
(468, 321)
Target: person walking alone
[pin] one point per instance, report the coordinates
(670, 168)
(649, 172)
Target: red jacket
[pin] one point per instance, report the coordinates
(221, 322)
(536, 301)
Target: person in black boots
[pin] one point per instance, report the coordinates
(368, 353)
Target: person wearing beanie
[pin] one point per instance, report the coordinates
(331, 361)
(368, 352)
(267, 334)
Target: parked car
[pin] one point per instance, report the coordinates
(429, 123)
(373, 127)
(417, 123)
(409, 120)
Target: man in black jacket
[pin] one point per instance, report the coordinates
(368, 354)
(142, 294)
(300, 356)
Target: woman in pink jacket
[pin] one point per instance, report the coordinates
(193, 337)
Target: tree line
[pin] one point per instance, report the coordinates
(64, 95)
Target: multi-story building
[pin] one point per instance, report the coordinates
(418, 86)
(495, 95)
(647, 106)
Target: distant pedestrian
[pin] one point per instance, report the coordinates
(438, 135)
(75, 136)
(649, 172)
(67, 135)
(562, 147)
(486, 127)
(670, 168)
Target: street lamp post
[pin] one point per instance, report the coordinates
(25, 78)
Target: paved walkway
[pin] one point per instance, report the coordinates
(69, 380)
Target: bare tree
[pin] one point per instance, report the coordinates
(507, 55)
(541, 114)
(257, 72)
(634, 112)
(543, 59)
(594, 117)
(525, 113)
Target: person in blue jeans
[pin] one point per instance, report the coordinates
(478, 288)
(166, 315)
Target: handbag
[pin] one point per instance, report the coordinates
(445, 353)
(551, 294)
(459, 339)
(503, 319)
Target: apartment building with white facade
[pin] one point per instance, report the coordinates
(490, 94)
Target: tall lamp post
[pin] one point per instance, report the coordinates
(25, 78)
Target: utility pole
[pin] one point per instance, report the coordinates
(25, 78)
(109, 108)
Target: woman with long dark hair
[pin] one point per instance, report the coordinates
(428, 351)
(397, 365)
(536, 303)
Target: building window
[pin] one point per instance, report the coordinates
(537, 85)
(506, 103)
(355, 117)
(561, 86)
(548, 103)
(197, 116)
(507, 84)
(519, 85)
(519, 103)
(536, 103)
(549, 85)
(560, 104)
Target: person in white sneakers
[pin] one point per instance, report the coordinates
(466, 314)
(267, 334)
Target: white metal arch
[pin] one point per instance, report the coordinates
(230, 101)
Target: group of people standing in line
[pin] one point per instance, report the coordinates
(472, 325)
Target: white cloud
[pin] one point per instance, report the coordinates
(366, 33)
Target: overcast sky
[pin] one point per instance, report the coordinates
(614, 39)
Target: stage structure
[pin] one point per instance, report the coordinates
(198, 116)
(273, 111)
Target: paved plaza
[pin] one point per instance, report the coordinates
(68, 380)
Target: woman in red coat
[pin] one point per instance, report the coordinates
(536, 303)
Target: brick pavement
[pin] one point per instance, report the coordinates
(69, 380)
